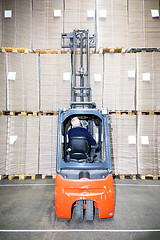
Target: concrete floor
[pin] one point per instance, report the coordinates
(27, 211)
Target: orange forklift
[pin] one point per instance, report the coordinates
(84, 178)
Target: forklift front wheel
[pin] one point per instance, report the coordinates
(79, 210)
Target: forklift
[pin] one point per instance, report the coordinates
(84, 178)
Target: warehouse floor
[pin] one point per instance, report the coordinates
(27, 211)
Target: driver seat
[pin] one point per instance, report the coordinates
(78, 149)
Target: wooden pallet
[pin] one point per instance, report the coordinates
(20, 113)
(2, 176)
(135, 50)
(124, 176)
(154, 177)
(15, 50)
(21, 177)
(50, 51)
(147, 112)
(44, 176)
(48, 113)
(123, 112)
(112, 50)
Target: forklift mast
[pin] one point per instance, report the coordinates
(80, 42)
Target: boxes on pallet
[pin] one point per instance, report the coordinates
(87, 15)
(158, 143)
(123, 144)
(112, 23)
(22, 145)
(48, 144)
(22, 82)
(55, 81)
(136, 24)
(0, 23)
(3, 145)
(79, 15)
(144, 29)
(119, 81)
(148, 86)
(147, 144)
(47, 24)
(151, 24)
(17, 26)
(3, 82)
(71, 16)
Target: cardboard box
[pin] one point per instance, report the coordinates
(123, 144)
(22, 82)
(48, 144)
(147, 144)
(23, 145)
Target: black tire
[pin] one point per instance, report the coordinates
(89, 210)
(79, 210)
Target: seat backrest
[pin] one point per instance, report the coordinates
(78, 148)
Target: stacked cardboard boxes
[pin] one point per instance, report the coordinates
(22, 82)
(79, 15)
(48, 144)
(147, 144)
(151, 23)
(3, 144)
(22, 145)
(119, 81)
(3, 82)
(112, 23)
(144, 25)
(17, 23)
(127, 24)
(0, 22)
(148, 86)
(123, 144)
(55, 81)
(47, 24)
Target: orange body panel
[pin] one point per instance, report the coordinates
(68, 191)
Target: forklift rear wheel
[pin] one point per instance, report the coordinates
(79, 210)
(89, 210)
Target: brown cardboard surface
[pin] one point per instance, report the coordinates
(3, 144)
(3, 82)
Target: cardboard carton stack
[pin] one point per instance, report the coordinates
(123, 144)
(22, 145)
(3, 144)
(48, 144)
(147, 144)
(112, 23)
(0, 22)
(22, 82)
(79, 15)
(3, 82)
(119, 81)
(47, 24)
(148, 86)
(151, 24)
(136, 24)
(17, 23)
(55, 81)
